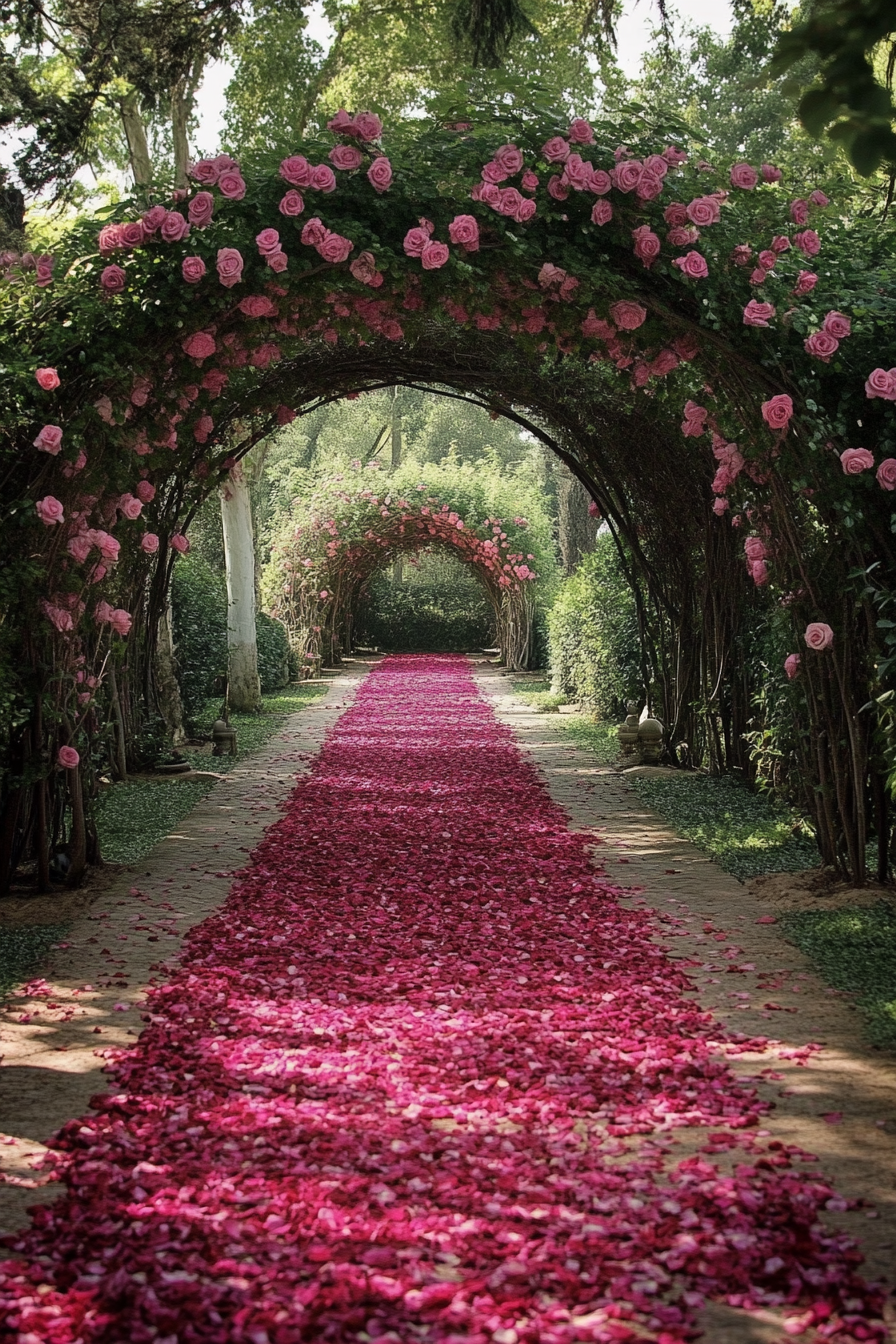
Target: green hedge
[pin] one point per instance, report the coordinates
(199, 602)
(438, 605)
(593, 635)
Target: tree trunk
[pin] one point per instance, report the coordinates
(398, 562)
(135, 134)
(243, 686)
(577, 529)
(167, 689)
(183, 98)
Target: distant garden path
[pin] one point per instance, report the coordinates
(421, 1079)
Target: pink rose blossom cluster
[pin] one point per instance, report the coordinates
(332, 247)
(364, 126)
(298, 172)
(116, 617)
(756, 553)
(694, 423)
(881, 383)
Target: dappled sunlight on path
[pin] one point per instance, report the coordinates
(416, 1081)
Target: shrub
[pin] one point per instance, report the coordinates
(438, 605)
(199, 603)
(593, 634)
(273, 653)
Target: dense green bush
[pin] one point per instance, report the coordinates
(199, 601)
(437, 605)
(593, 634)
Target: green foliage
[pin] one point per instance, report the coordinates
(539, 695)
(273, 653)
(199, 602)
(594, 735)
(23, 950)
(855, 951)
(436, 605)
(593, 634)
(745, 833)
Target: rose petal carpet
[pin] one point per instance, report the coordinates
(419, 1080)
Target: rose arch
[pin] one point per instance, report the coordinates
(659, 323)
(355, 524)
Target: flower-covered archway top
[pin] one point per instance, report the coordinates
(174, 325)
(358, 521)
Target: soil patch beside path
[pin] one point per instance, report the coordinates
(837, 1101)
(127, 933)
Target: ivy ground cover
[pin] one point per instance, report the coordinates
(419, 1080)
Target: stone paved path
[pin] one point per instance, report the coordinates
(52, 1043)
(735, 975)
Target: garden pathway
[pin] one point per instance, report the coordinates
(830, 1092)
(424, 1077)
(55, 1033)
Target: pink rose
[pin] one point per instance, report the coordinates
(49, 440)
(599, 183)
(754, 549)
(342, 123)
(180, 543)
(759, 572)
(682, 237)
(580, 132)
(379, 174)
(529, 181)
(768, 259)
(720, 506)
(133, 233)
(174, 227)
(770, 173)
(323, 178)
(145, 491)
(647, 245)
(102, 612)
(201, 209)
(415, 240)
(80, 546)
(821, 345)
(703, 211)
(334, 248)
(267, 241)
(49, 510)
(200, 345)
(464, 232)
(694, 413)
(346, 157)
(192, 269)
(601, 213)
(510, 201)
(743, 176)
(367, 126)
(576, 172)
(808, 242)
(626, 175)
(525, 211)
(805, 283)
(48, 379)
(153, 218)
(509, 159)
(434, 256)
(777, 411)
(886, 474)
(112, 279)
(229, 266)
(818, 635)
(550, 275)
(214, 381)
(758, 314)
(879, 383)
(202, 428)
(314, 232)
(676, 215)
(628, 315)
(555, 150)
(109, 548)
(557, 188)
(780, 243)
(278, 261)
(799, 212)
(836, 324)
(204, 171)
(759, 276)
(68, 758)
(792, 665)
(856, 460)
(120, 621)
(130, 506)
(818, 198)
(674, 156)
(292, 204)
(149, 543)
(693, 265)
(741, 254)
(363, 268)
(258, 305)
(296, 170)
(109, 239)
(231, 184)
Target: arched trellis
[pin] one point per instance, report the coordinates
(318, 571)
(173, 351)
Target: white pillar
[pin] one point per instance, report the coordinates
(244, 688)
